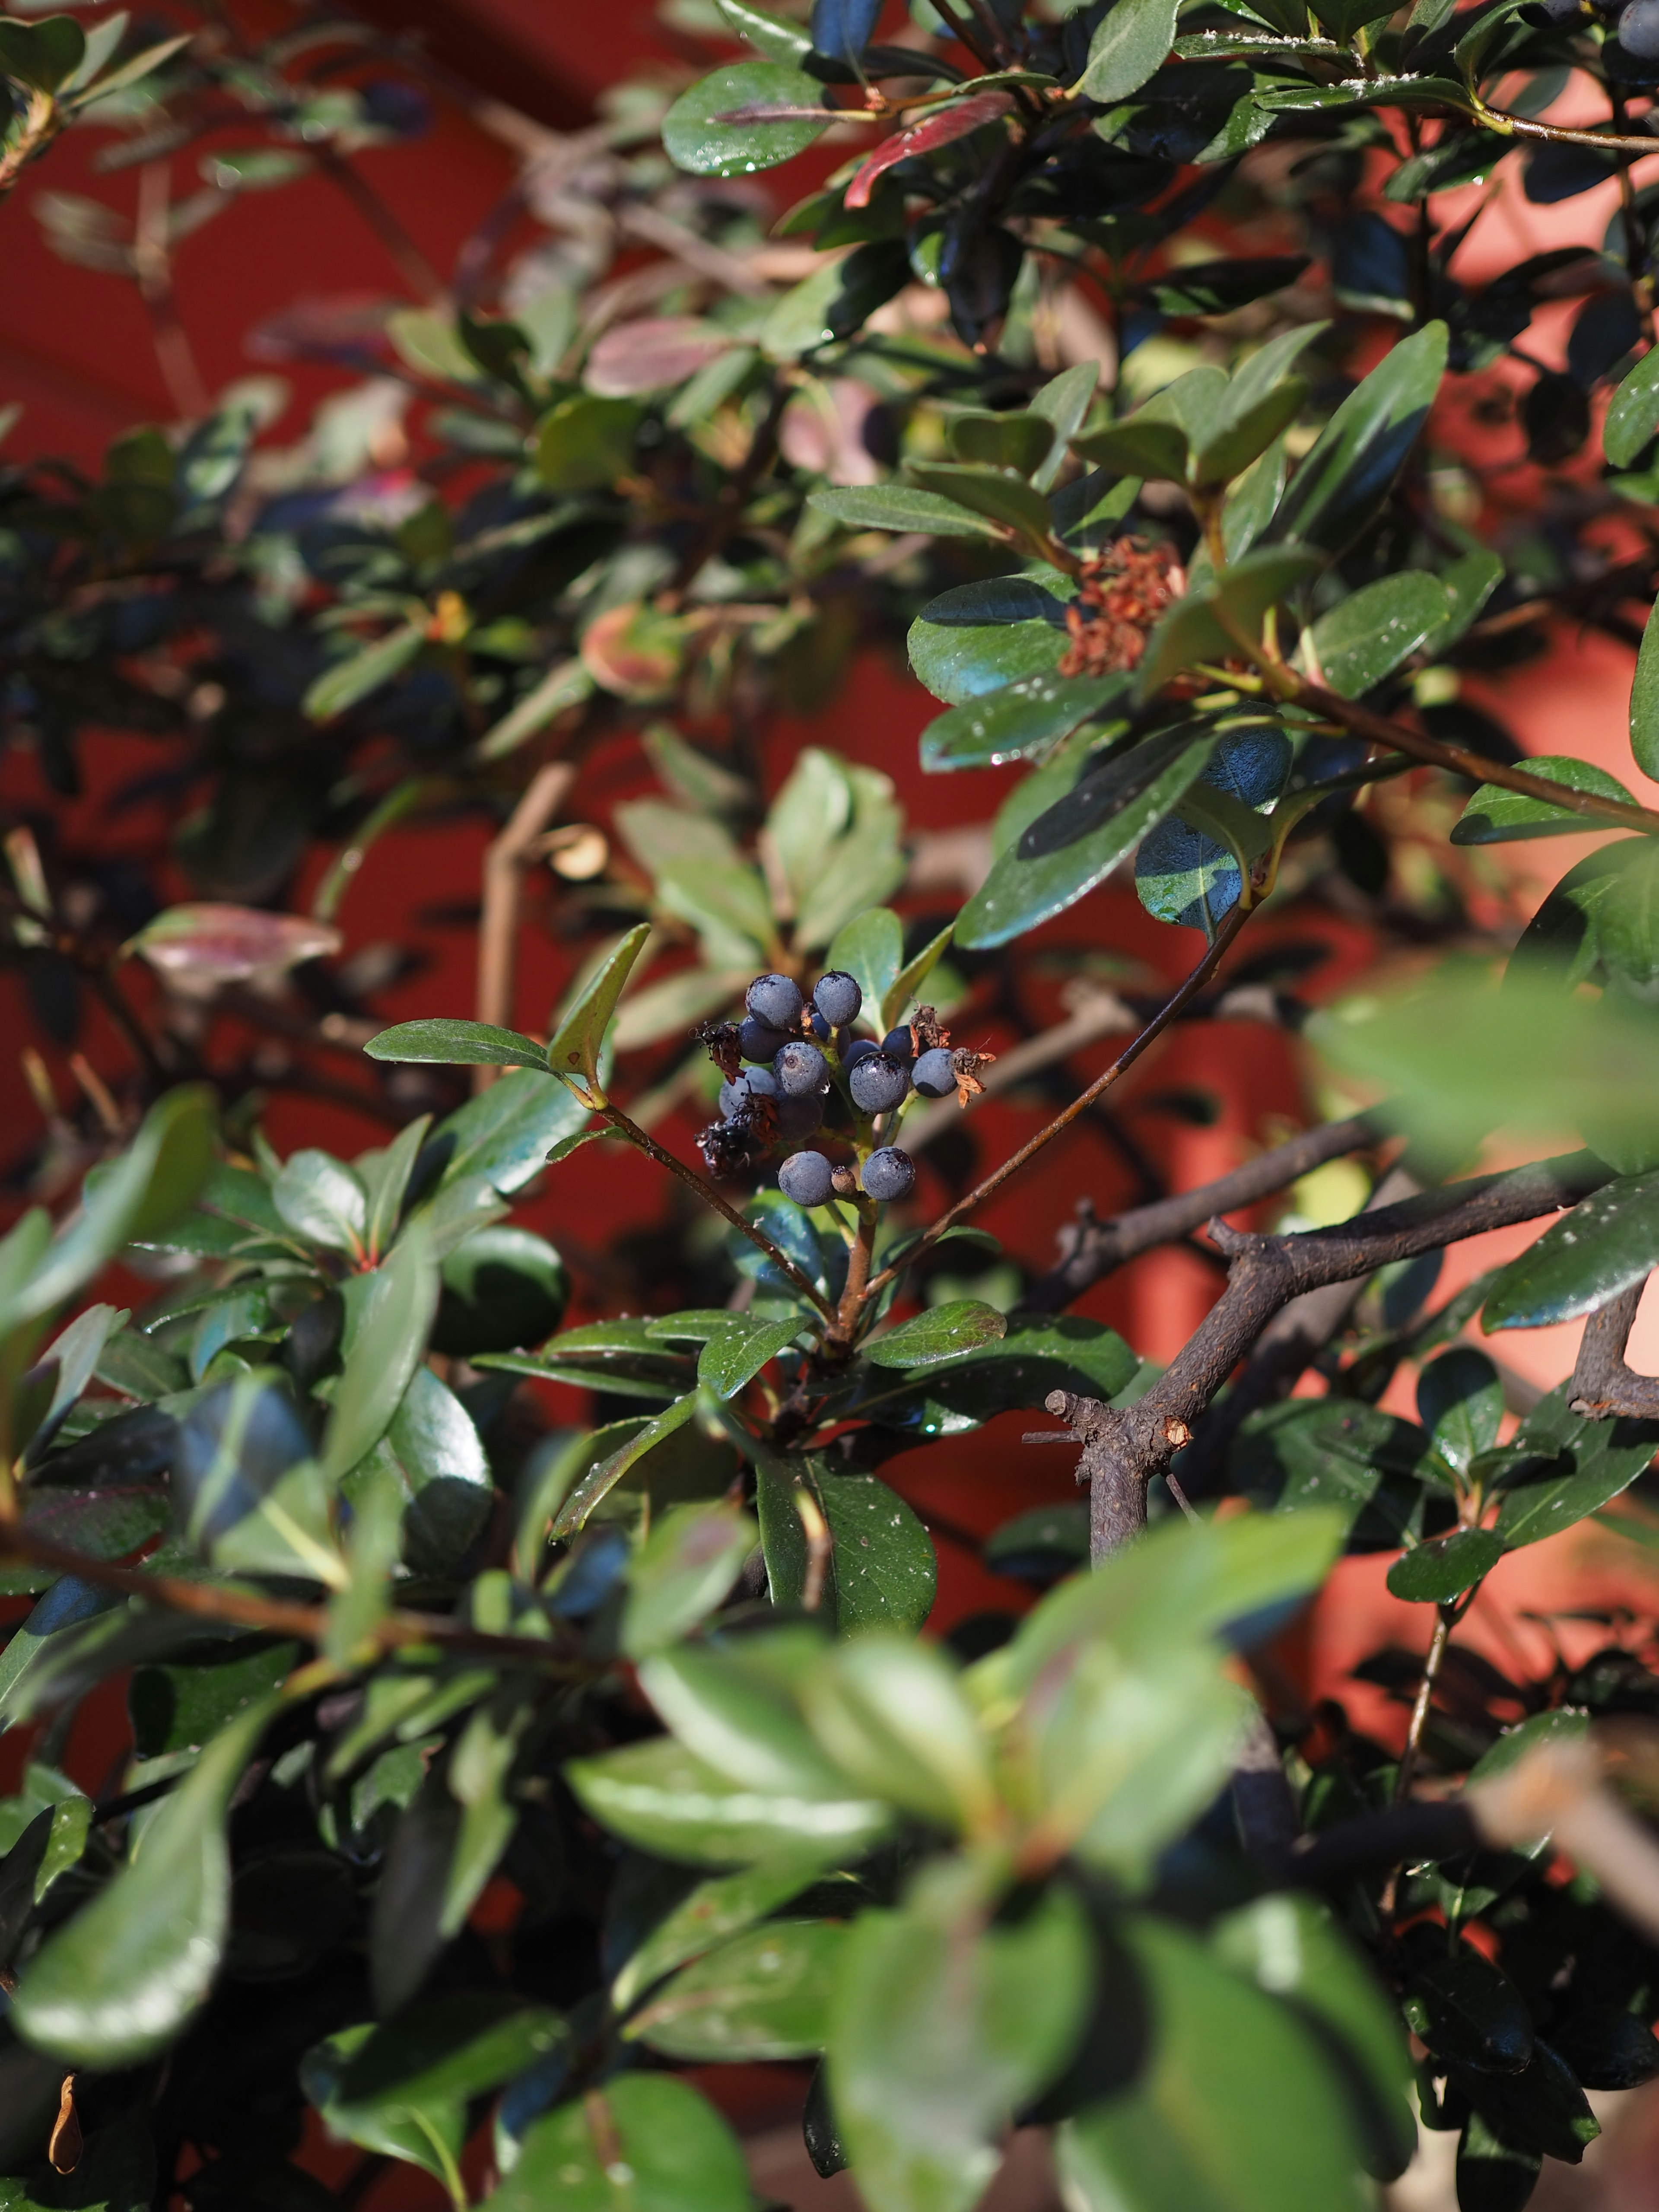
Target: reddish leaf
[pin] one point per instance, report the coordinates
(653, 352)
(634, 651)
(939, 130)
(200, 947)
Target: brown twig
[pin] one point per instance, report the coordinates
(1167, 1013)
(1125, 1446)
(1615, 813)
(246, 1609)
(1093, 1249)
(407, 258)
(1602, 1385)
(503, 879)
(152, 267)
(706, 1191)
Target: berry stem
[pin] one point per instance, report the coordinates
(649, 1144)
(1229, 929)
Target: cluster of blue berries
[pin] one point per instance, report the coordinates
(784, 1064)
(1637, 29)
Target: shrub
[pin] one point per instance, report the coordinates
(1209, 572)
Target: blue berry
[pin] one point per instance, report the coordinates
(753, 1083)
(799, 1117)
(934, 1074)
(837, 997)
(800, 1069)
(759, 1040)
(805, 1176)
(860, 1048)
(878, 1083)
(773, 1000)
(896, 1044)
(1638, 29)
(888, 1174)
(820, 1029)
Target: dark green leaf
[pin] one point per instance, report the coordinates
(1020, 442)
(665, 1800)
(1444, 1566)
(1495, 816)
(771, 36)
(1035, 1357)
(119, 1981)
(685, 1567)
(1632, 418)
(455, 1043)
(880, 1568)
(1607, 1244)
(1063, 403)
(1235, 2107)
(835, 301)
(502, 1288)
(1375, 629)
(1466, 2008)
(600, 1481)
(572, 1051)
(640, 2142)
(1460, 1401)
(382, 1352)
(1627, 922)
(1144, 445)
(1131, 40)
(762, 1994)
(428, 2135)
(981, 636)
(740, 1351)
(1343, 480)
(1291, 1946)
(900, 507)
(996, 726)
(347, 681)
(1644, 702)
(698, 135)
(453, 2047)
(939, 2032)
(942, 1333)
(42, 55)
(1006, 498)
(1079, 841)
(1592, 1462)
(720, 1907)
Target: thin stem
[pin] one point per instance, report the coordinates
(1459, 759)
(857, 1276)
(503, 883)
(1167, 1012)
(152, 262)
(1523, 126)
(411, 264)
(1446, 1618)
(280, 1616)
(706, 1192)
(1641, 287)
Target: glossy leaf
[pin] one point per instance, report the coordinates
(1495, 816)
(942, 1333)
(456, 1044)
(1073, 847)
(714, 1910)
(939, 126)
(1235, 2108)
(892, 1715)
(1290, 1945)
(1607, 1244)
(601, 1480)
(322, 1200)
(981, 636)
(1131, 40)
(938, 2032)
(998, 726)
(880, 1568)
(249, 1495)
(900, 507)
(1370, 633)
(1632, 416)
(1020, 1368)
(1444, 1566)
(1006, 498)
(685, 1567)
(1339, 485)
(1587, 1464)
(572, 1051)
(387, 1346)
(723, 126)
(1460, 1401)
(763, 1995)
(740, 1351)
(125, 1974)
(640, 2143)
(663, 1799)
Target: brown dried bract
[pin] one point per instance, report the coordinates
(721, 1039)
(1124, 590)
(926, 1034)
(966, 1065)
